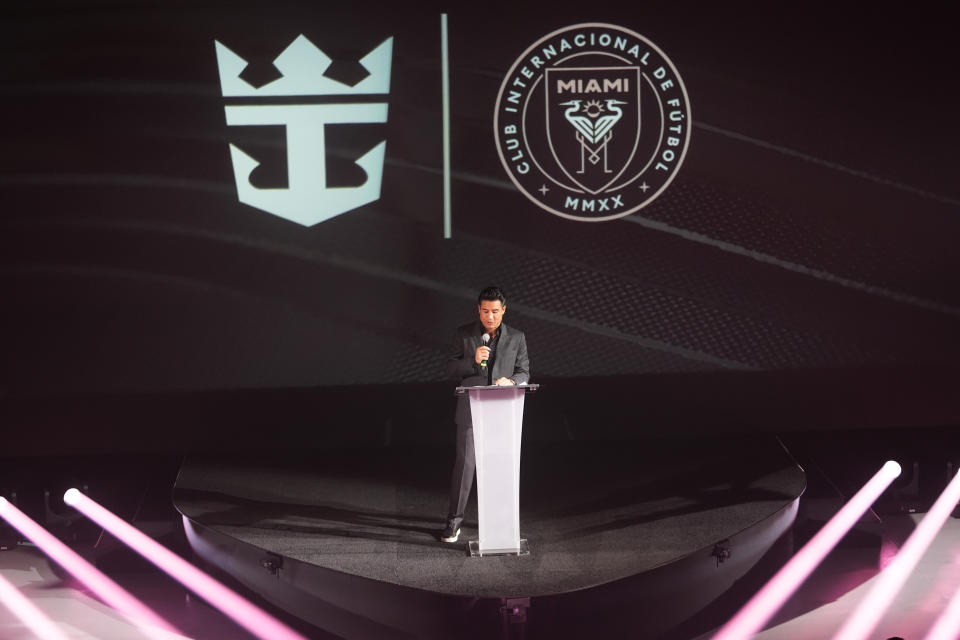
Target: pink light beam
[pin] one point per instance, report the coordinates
(766, 602)
(947, 626)
(874, 605)
(34, 619)
(105, 588)
(236, 607)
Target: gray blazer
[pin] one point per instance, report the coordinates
(512, 361)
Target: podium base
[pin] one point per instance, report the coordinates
(475, 552)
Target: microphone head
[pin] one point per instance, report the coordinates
(485, 338)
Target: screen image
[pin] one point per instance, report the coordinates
(214, 195)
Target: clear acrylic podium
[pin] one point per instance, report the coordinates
(497, 427)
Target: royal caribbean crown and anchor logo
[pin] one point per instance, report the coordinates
(592, 122)
(307, 199)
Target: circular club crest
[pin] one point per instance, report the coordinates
(592, 122)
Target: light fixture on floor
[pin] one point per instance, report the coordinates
(233, 605)
(100, 584)
(761, 607)
(874, 605)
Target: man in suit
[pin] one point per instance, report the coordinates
(501, 361)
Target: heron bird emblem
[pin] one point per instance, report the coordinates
(594, 128)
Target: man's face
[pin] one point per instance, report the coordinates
(491, 314)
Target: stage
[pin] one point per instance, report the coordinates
(611, 525)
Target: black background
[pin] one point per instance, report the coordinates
(810, 234)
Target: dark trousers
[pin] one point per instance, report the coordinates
(464, 469)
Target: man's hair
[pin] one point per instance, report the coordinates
(491, 294)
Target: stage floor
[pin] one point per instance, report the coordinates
(593, 512)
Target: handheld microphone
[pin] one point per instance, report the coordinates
(486, 341)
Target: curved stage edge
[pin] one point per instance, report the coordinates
(637, 538)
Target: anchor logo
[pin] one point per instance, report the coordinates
(307, 200)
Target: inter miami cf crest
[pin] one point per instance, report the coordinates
(592, 122)
(307, 200)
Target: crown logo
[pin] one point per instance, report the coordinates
(303, 64)
(307, 199)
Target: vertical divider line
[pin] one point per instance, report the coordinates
(445, 91)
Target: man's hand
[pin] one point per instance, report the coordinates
(483, 353)
(504, 382)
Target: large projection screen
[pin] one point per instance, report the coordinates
(220, 195)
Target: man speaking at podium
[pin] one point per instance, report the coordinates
(484, 352)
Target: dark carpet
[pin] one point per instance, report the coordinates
(593, 512)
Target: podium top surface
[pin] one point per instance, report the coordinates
(527, 387)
